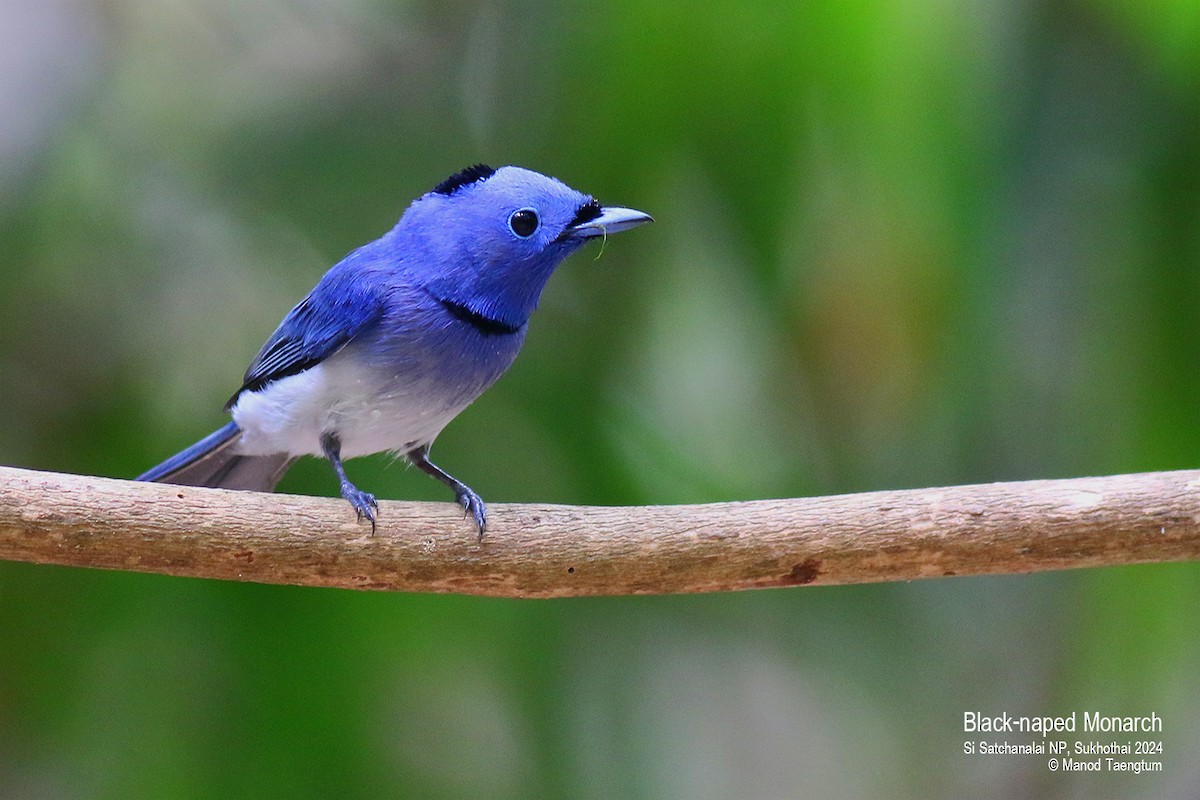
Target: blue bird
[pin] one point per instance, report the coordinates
(401, 335)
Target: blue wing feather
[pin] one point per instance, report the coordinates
(340, 308)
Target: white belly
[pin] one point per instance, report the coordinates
(368, 412)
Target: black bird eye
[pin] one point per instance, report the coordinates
(524, 222)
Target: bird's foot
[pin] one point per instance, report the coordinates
(473, 505)
(363, 503)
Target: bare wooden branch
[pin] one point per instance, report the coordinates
(559, 551)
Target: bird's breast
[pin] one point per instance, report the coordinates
(376, 395)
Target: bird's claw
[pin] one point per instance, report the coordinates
(474, 506)
(363, 503)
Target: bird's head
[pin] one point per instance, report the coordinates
(488, 239)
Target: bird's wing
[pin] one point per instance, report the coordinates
(322, 323)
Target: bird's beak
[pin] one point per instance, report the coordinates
(611, 220)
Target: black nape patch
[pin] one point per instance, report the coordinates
(473, 173)
(586, 213)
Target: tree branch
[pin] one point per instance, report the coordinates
(559, 551)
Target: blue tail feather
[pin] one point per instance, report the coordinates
(213, 461)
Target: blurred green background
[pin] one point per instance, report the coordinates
(899, 244)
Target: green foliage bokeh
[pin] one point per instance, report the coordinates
(898, 244)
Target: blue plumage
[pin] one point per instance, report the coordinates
(340, 308)
(401, 335)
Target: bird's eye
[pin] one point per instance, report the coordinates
(524, 222)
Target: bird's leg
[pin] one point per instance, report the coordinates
(465, 495)
(363, 502)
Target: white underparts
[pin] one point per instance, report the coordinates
(368, 411)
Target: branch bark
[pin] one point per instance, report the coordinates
(559, 551)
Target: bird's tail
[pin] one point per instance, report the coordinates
(212, 461)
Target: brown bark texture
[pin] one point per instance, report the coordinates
(561, 551)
